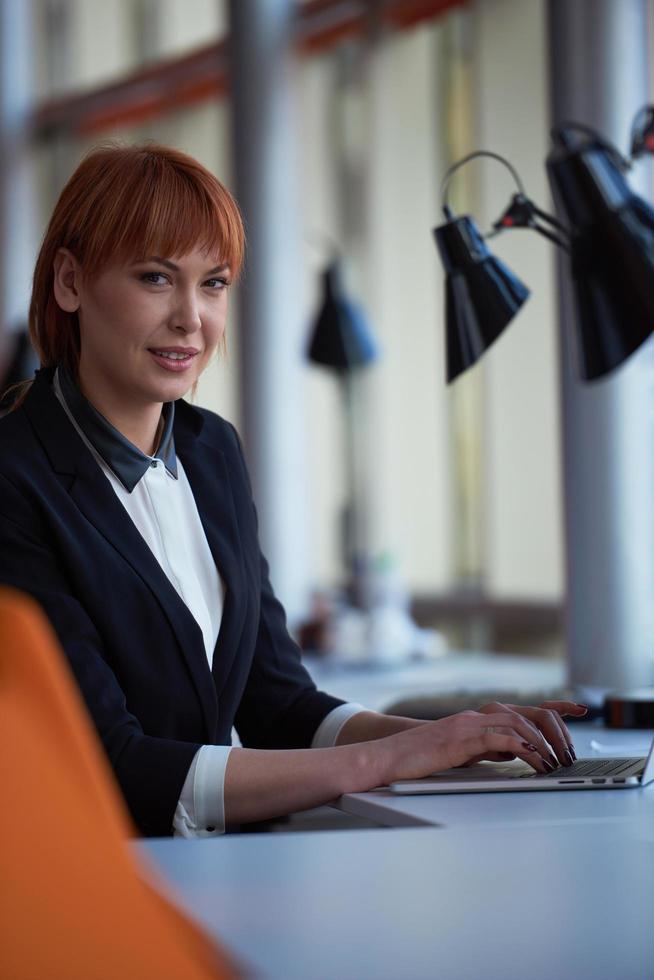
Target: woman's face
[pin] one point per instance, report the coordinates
(148, 329)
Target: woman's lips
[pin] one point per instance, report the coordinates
(176, 365)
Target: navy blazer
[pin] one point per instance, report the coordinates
(136, 651)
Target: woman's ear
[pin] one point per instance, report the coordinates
(67, 280)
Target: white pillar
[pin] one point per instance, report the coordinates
(598, 62)
(17, 189)
(380, 529)
(272, 320)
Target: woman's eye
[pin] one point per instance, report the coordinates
(155, 278)
(217, 284)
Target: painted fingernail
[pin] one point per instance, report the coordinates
(568, 758)
(573, 753)
(548, 765)
(584, 706)
(554, 762)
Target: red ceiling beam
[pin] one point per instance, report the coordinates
(139, 96)
(411, 12)
(204, 74)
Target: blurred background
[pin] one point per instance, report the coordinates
(338, 144)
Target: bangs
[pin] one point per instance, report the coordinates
(162, 204)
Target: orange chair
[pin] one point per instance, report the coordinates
(73, 902)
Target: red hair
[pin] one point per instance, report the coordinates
(125, 203)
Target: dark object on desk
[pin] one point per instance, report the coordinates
(434, 706)
(630, 709)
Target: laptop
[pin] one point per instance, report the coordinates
(495, 777)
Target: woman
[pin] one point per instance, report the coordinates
(128, 514)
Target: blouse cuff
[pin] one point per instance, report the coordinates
(200, 811)
(329, 728)
(201, 808)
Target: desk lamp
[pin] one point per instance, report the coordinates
(342, 341)
(374, 625)
(482, 295)
(341, 338)
(612, 247)
(610, 240)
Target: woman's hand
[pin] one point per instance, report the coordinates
(549, 731)
(496, 731)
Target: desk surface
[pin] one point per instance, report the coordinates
(495, 886)
(559, 902)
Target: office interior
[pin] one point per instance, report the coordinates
(463, 486)
(333, 123)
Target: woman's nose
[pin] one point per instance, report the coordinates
(186, 315)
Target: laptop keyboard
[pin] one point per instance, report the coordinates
(595, 767)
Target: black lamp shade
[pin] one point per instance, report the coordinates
(341, 338)
(482, 294)
(612, 255)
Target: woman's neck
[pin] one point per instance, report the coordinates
(142, 424)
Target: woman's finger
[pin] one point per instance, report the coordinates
(509, 719)
(567, 708)
(527, 742)
(487, 742)
(554, 729)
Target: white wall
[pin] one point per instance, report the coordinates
(399, 287)
(183, 25)
(403, 290)
(103, 49)
(523, 504)
(324, 421)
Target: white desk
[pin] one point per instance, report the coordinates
(550, 886)
(570, 902)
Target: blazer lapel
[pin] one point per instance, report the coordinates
(94, 496)
(208, 474)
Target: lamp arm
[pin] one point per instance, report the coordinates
(551, 220)
(523, 213)
(563, 243)
(449, 173)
